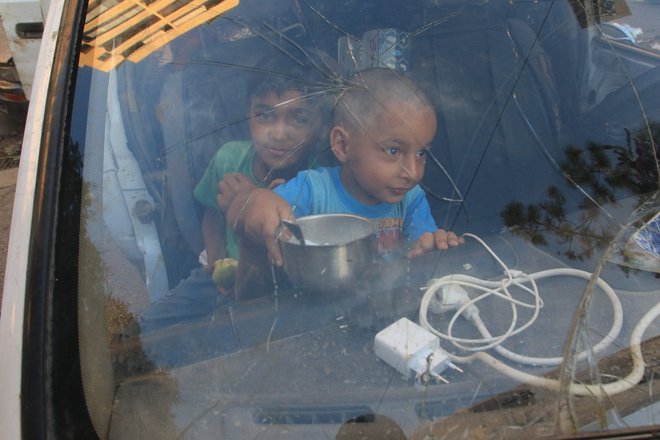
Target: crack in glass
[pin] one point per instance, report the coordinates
(546, 150)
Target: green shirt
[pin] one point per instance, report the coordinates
(232, 157)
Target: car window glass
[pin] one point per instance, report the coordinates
(544, 159)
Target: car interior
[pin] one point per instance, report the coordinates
(524, 91)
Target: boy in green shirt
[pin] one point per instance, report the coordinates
(286, 120)
(287, 112)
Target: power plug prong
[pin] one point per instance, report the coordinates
(454, 366)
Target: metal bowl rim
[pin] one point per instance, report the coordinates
(371, 224)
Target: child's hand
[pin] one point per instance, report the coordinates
(257, 216)
(233, 184)
(440, 239)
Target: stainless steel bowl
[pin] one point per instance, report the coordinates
(338, 248)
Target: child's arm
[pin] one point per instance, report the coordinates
(213, 227)
(256, 216)
(440, 239)
(233, 184)
(254, 275)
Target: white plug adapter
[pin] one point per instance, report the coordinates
(412, 351)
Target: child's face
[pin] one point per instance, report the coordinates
(383, 157)
(283, 128)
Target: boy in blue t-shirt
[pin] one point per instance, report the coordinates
(383, 128)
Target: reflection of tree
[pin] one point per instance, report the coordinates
(600, 170)
(639, 168)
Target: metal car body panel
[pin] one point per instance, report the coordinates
(12, 324)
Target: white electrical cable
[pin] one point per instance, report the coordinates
(468, 308)
(501, 289)
(494, 342)
(598, 390)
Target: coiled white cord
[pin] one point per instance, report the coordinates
(500, 289)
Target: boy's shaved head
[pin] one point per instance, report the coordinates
(383, 130)
(375, 90)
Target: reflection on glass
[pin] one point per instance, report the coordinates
(604, 172)
(545, 156)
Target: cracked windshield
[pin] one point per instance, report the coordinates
(432, 219)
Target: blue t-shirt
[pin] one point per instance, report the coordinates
(321, 191)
